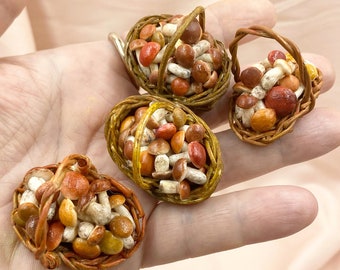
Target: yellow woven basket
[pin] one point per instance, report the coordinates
(212, 168)
(306, 101)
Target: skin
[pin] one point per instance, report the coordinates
(54, 103)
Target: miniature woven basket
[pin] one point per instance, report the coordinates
(200, 101)
(306, 101)
(37, 241)
(213, 167)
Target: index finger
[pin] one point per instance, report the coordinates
(224, 17)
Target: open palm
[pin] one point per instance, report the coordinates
(54, 103)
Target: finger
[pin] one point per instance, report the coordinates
(9, 10)
(218, 115)
(223, 18)
(227, 222)
(314, 135)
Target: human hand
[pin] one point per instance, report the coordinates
(54, 103)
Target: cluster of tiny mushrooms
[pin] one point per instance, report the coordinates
(172, 152)
(269, 90)
(171, 149)
(83, 214)
(194, 64)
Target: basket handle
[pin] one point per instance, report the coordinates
(288, 45)
(198, 11)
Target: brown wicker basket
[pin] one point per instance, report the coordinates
(306, 101)
(35, 232)
(200, 100)
(212, 168)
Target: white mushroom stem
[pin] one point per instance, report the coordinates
(179, 71)
(299, 91)
(51, 211)
(84, 229)
(259, 105)
(162, 163)
(271, 77)
(69, 234)
(160, 114)
(35, 182)
(169, 186)
(169, 29)
(160, 55)
(258, 92)
(128, 242)
(244, 114)
(196, 176)
(28, 196)
(147, 137)
(99, 213)
(173, 158)
(201, 47)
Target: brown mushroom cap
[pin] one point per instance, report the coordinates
(201, 71)
(197, 154)
(283, 100)
(74, 185)
(192, 33)
(185, 55)
(179, 169)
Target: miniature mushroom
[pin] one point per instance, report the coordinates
(273, 75)
(158, 146)
(274, 55)
(263, 120)
(180, 86)
(192, 33)
(246, 101)
(173, 187)
(179, 71)
(162, 163)
(185, 55)
(111, 244)
(179, 117)
(148, 53)
(181, 171)
(67, 213)
(177, 141)
(213, 56)
(54, 235)
(84, 249)
(201, 71)
(196, 154)
(74, 185)
(117, 204)
(251, 76)
(98, 212)
(121, 226)
(201, 47)
(283, 100)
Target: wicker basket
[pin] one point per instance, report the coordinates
(306, 101)
(38, 241)
(201, 100)
(212, 168)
